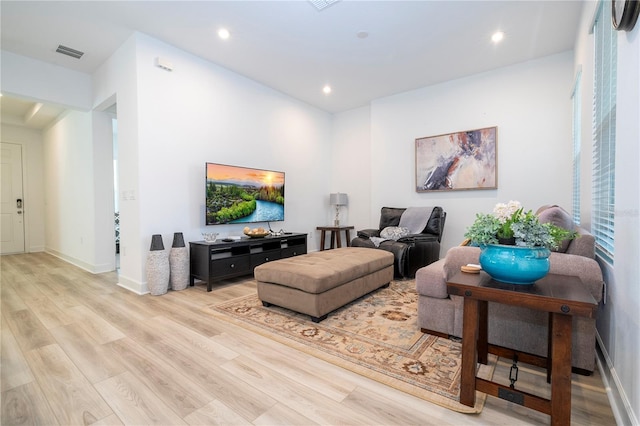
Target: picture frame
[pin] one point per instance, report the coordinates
(465, 160)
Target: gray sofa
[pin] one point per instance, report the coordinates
(521, 329)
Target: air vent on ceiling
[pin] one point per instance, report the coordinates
(69, 51)
(322, 4)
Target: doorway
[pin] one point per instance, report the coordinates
(116, 191)
(11, 199)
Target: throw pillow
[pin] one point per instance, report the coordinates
(560, 217)
(394, 232)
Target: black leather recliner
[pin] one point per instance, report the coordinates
(411, 252)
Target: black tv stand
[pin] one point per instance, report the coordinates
(221, 259)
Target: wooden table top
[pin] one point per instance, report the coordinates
(333, 228)
(554, 293)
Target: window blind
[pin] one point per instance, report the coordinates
(604, 132)
(577, 136)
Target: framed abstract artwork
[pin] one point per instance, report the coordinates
(457, 161)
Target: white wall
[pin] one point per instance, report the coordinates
(116, 82)
(32, 172)
(201, 112)
(623, 332)
(351, 167)
(103, 196)
(530, 105)
(618, 322)
(30, 78)
(70, 179)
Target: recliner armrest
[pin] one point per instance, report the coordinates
(419, 238)
(368, 233)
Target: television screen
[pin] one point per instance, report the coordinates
(243, 195)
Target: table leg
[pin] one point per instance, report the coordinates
(322, 234)
(348, 235)
(469, 352)
(339, 242)
(483, 333)
(561, 364)
(549, 345)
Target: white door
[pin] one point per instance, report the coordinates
(11, 199)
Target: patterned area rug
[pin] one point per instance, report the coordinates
(376, 336)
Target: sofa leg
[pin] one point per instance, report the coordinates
(266, 304)
(434, 333)
(581, 371)
(318, 319)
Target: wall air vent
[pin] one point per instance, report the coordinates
(69, 51)
(322, 4)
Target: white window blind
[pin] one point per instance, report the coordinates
(577, 137)
(604, 132)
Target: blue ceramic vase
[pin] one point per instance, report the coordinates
(514, 264)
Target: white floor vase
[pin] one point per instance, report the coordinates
(179, 263)
(157, 267)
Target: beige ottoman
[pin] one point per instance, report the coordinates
(323, 281)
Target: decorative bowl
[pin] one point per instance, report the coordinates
(210, 237)
(256, 234)
(514, 264)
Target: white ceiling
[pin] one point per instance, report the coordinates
(295, 49)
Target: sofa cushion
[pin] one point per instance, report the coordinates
(390, 216)
(436, 222)
(394, 232)
(559, 217)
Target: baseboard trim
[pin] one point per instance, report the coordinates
(132, 285)
(94, 269)
(615, 392)
(72, 260)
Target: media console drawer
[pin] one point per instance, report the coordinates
(221, 260)
(263, 257)
(231, 266)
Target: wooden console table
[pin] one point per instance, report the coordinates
(335, 235)
(562, 296)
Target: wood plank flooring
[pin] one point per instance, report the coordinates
(78, 349)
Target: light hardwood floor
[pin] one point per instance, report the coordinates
(78, 349)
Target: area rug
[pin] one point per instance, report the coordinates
(376, 336)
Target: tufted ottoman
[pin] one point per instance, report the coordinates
(323, 281)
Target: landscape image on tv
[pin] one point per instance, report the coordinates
(243, 195)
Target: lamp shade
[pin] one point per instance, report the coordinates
(338, 199)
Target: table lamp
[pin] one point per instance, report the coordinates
(338, 199)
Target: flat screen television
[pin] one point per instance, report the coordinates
(243, 195)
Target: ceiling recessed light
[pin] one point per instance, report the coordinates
(224, 33)
(326, 89)
(497, 36)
